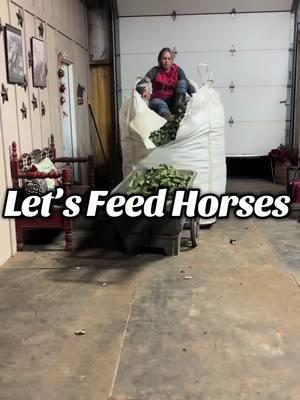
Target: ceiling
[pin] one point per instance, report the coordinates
(166, 7)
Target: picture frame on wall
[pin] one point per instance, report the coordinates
(39, 66)
(14, 55)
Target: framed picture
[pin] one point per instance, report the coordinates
(39, 68)
(14, 55)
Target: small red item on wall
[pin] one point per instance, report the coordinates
(62, 88)
(61, 73)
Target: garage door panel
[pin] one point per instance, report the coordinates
(254, 68)
(261, 31)
(253, 138)
(144, 34)
(144, 7)
(242, 104)
(206, 32)
(258, 67)
(247, 68)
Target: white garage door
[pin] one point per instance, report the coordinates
(257, 66)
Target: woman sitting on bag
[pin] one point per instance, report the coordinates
(169, 85)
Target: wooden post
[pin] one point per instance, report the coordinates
(15, 166)
(53, 148)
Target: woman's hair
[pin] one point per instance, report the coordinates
(164, 50)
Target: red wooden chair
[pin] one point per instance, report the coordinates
(22, 171)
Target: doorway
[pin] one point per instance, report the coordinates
(68, 112)
(68, 115)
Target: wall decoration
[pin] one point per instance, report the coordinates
(39, 70)
(80, 90)
(14, 55)
(20, 17)
(61, 73)
(25, 83)
(62, 88)
(30, 61)
(41, 29)
(23, 111)
(43, 109)
(34, 102)
(4, 93)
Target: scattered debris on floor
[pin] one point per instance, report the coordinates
(295, 280)
(102, 283)
(232, 241)
(81, 332)
(188, 277)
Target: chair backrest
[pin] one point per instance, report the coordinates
(27, 159)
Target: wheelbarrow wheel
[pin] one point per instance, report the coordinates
(194, 228)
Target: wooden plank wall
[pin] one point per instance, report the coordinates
(101, 100)
(65, 30)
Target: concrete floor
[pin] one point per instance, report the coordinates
(230, 332)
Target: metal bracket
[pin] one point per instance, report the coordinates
(174, 50)
(231, 86)
(4, 93)
(232, 50)
(20, 17)
(1, 26)
(30, 59)
(34, 102)
(285, 102)
(43, 109)
(41, 29)
(174, 15)
(23, 111)
(231, 121)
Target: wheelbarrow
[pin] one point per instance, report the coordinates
(164, 233)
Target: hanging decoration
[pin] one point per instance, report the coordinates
(61, 73)
(4, 93)
(30, 59)
(80, 91)
(62, 88)
(20, 17)
(25, 83)
(23, 110)
(34, 102)
(43, 109)
(41, 29)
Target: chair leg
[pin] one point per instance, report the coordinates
(68, 235)
(20, 238)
